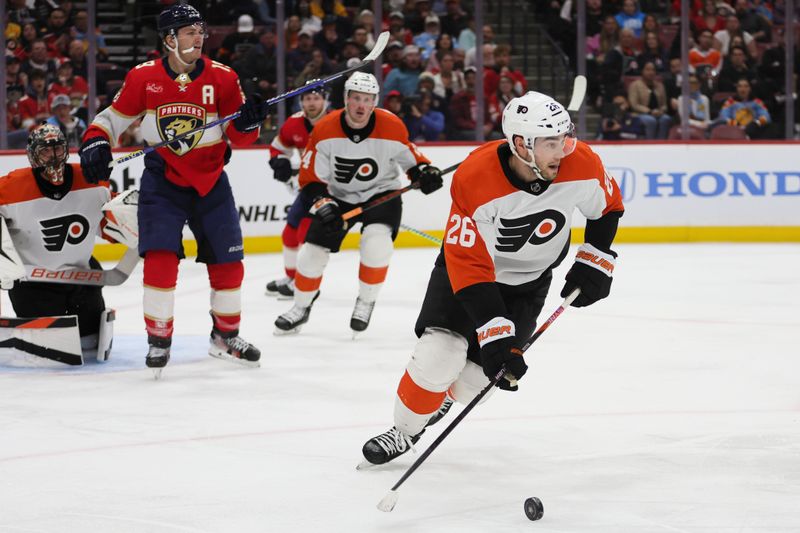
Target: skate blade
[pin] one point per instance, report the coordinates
(226, 357)
(365, 466)
(278, 332)
(157, 373)
(285, 297)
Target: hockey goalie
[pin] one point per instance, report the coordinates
(49, 217)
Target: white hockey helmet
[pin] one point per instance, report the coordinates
(535, 115)
(362, 82)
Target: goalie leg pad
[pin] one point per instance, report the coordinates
(438, 358)
(105, 335)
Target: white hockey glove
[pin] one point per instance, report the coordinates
(11, 267)
(121, 223)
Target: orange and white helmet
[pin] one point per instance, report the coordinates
(362, 82)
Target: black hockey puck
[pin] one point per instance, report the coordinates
(534, 509)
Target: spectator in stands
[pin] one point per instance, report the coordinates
(503, 67)
(488, 48)
(72, 127)
(307, 18)
(406, 78)
(365, 25)
(257, 67)
(77, 55)
(38, 58)
(323, 8)
(654, 52)
(393, 57)
(618, 123)
(650, 24)
(708, 19)
(753, 23)
(427, 40)
(394, 102)
(397, 28)
(415, 20)
(328, 40)
(427, 82)
(14, 74)
(80, 29)
(673, 81)
(444, 45)
(699, 106)
(723, 38)
(292, 28)
(597, 46)
(317, 67)
(297, 59)
(772, 73)
(631, 18)
(455, 19)
(463, 109)
(75, 87)
(620, 61)
(235, 45)
(35, 104)
(422, 121)
(350, 49)
(648, 99)
(56, 33)
(497, 100)
(747, 113)
(467, 38)
(734, 69)
(14, 118)
(30, 33)
(704, 54)
(19, 13)
(448, 81)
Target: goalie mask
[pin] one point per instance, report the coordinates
(47, 152)
(535, 116)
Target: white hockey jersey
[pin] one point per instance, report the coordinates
(357, 165)
(52, 233)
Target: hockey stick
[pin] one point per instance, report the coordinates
(84, 276)
(394, 194)
(377, 50)
(578, 93)
(422, 234)
(390, 500)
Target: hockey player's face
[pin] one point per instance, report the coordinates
(549, 151)
(313, 104)
(190, 42)
(359, 106)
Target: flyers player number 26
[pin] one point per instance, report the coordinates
(461, 231)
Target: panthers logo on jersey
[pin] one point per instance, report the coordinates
(362, 169)
(70, 228)
(537, 228)
(176, 119)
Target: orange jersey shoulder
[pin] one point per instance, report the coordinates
(20, 185)
(480, 178)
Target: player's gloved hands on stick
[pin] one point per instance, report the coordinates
(95, 156)
(428, 176)
(499, 349)
(328, 212)
(591, 273)
(252, 114)
(281, 169)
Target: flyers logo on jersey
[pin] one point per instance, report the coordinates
(176, 119)
(70, 228)
(361, 169)
(536, 229)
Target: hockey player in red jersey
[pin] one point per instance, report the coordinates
(509, 227)
(351, 159)
(292, 136)
(53, 215)
(183, 181)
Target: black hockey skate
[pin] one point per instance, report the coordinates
(228, 345)
(282, 288)
(291, 321)
(158, 354)
(438, 415)
(387, 446)
(362, 312)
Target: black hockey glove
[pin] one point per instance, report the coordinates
(281, 169)
(498, 350)
(95, 156)
(327, 211)
(591, 273)
(428, 176)
(252, 114)
(228, 153)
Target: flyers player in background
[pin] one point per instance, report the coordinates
(509, 227)
(351, 159)
(53, 215)
(183, 181)
(292, 136)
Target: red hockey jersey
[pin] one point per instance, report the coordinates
(172, 104)
(293, 134)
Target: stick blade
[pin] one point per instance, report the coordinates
(578, 93)
(389, 501)
(377, 50)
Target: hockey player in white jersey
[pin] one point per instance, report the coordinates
(351, 159)
(52, 215)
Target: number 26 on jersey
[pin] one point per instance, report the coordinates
(461, 231)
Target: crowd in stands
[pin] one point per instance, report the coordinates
(430, 77)
(736, 66)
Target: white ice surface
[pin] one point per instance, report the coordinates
(673, 406)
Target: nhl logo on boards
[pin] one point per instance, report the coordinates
(71, 229)
(176, 119)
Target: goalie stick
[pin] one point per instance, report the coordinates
(377, 50)
(390, 500)
(86, 276)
